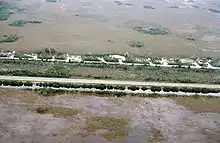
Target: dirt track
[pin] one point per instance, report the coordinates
(20, 123)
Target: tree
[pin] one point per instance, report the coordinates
(109, 87)
(100, 86)
(87, 86)
(174, 89)
(166, 89)
(133, 88)
(119, 87)
(155, 88)
(145, 88)
(28, 83)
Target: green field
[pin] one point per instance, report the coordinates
(103, 71)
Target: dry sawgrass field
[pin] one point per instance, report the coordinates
(104, 26)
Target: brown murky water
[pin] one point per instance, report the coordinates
(84, 26)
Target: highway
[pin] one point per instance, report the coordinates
(104, 81)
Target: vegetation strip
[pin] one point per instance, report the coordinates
(121, 72)
(49, 62)
(50, 88)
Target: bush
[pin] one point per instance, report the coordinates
(174, 89)
(145, 88)
(133, 88)
(28, 83)
(19, 23)
(12, 83)
(90, 58)
(87, 86)
(100, 86)
(155, 88)
(120, 94)
(5, 10)
(75, 86)
(51, 0)
(9, 38)
(196, 90)
(103, 93)
(49, 91)
(109, 59)
(166, 89)
(119, 87)
(42, 110)
(109, 87)
(16, 83)
(136, 43)
(6, 82)
(215, 90)
(184, 89)
(58, 70)
(205, 90)
(157, 31)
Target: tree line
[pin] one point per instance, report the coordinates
(110, 87)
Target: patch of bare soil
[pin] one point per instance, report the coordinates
(85, 119)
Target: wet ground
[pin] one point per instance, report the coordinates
(108, 26)
(142, 120)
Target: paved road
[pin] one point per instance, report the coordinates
(115, 82)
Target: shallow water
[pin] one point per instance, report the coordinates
(87, 26)
(21, 124)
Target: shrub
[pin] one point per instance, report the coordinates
(133, 88)
(90, 58)
(42, 110)
(9, 38)
(54, 84)
(19, 23)
(155, 88)
(75, 86)
(58, 70)
(49, 91)
(120, 94)
(136, 43)
(109, 87)
(87, 86)
(157, 31)
(166, 89)
(205, 90)
(100, 86)
(196, 90)
(145, 88)
(103, 93)
(119, 87)
(16, 83)
(51, 0)
(174, 89)
(28, 83)
(12, 83)
(5, 10)
(129, 60)
(109, 59)
(184, 89)
(215, 90)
